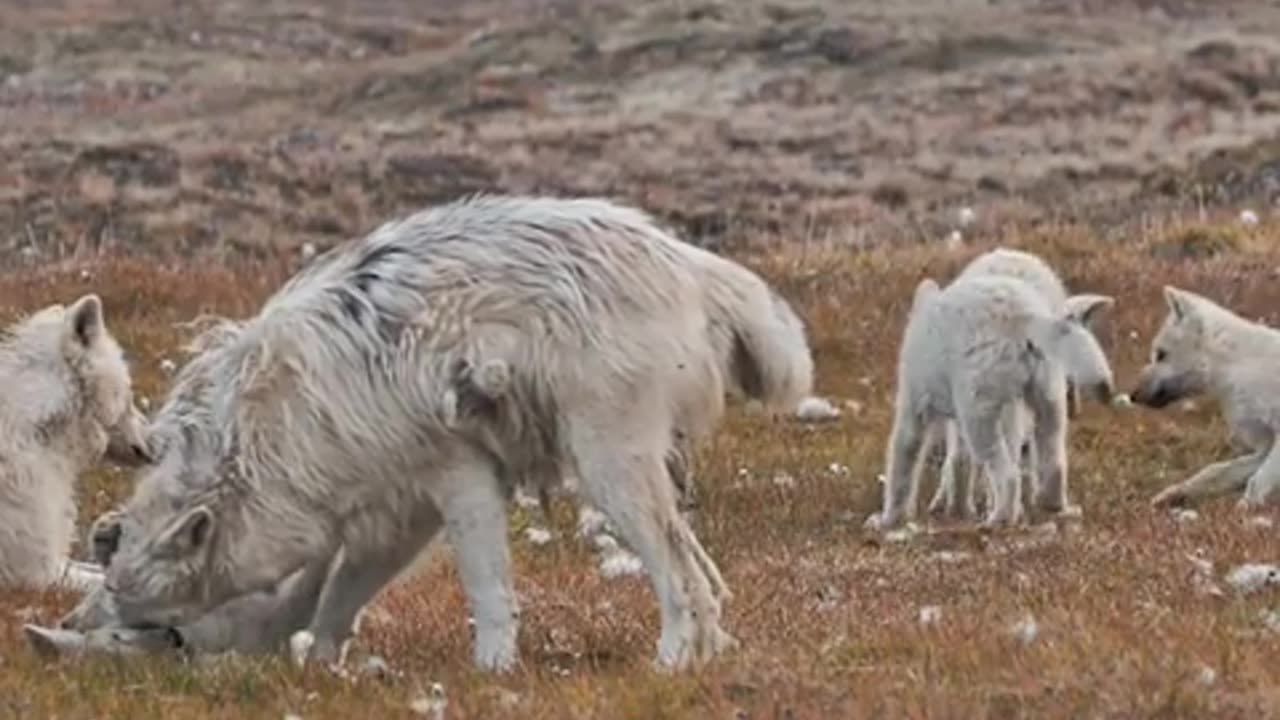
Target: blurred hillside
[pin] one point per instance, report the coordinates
(243, 126)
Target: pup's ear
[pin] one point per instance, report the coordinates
(1086, 308)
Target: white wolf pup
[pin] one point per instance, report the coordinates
(1203, 347)
(65, 399)
(1086, 308)
(969, 352)
(327, 426)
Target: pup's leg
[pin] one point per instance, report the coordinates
(987, 445)
(946, 498)
(1213, 480)
(1047, 402)
(906, 441)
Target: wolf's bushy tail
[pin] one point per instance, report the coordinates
(763, 348)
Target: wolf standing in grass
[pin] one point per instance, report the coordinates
(1201, 348)
(330, 426)
(1084, 309)
(969, 353)
(66, 400)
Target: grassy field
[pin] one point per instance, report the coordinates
(830, 621)
(176, 157)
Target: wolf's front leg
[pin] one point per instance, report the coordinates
(1215, 479)
(370, 558)
(476, 524)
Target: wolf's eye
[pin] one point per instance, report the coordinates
(1161, 355)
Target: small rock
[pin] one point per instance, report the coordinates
(604, 542)
(1203, 565)
(167, 366)
(537, 536)
(1271, 619)
(1026, 630)
(525, 500)
(308, 251)
(816, 409)
(591, 521)
(291, 716)
(784, 481)
(930, 615)
(300, 644)
(951, 556)
(619, 563)
(375, 667)
(902, 534)
(1207, 676)
(954, 240)
(431, 704)
(1250, 577)
(1185, 515)
(26, 614)
(838, 469)
(1248, 217)
(1133, 335)
(86, 275)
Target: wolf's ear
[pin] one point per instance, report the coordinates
(1086, 308)
(84, 321)
(189, 532)
(925, 289)
(1181, 303)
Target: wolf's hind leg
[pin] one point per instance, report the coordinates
(1215, 479)
(1263, 486)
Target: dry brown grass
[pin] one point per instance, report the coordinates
(828, 620)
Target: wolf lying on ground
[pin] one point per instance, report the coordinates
(66, 403)
(949, 498)
(969, 352)
(1203, 347)
(327, 427)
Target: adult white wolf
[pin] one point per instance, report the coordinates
(1086, 308)
(1201, 348)
(329, 427)
(969, 352)
(66, 402)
